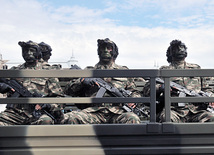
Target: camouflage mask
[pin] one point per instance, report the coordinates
(107, 43)
(30, 51)
(176, 51)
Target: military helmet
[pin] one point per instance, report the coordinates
(31, 44)
(46, 51)
(107, 41)
(176, 51)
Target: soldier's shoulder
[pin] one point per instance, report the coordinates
(89, 67)
(124, 67)
(116, 66)
(21, 66)
(193, 65)
(164, 67)
(14, 68)
(46, 66)
(56, 66)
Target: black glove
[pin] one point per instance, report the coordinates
(161, 88)
(37, 114)
(4, 88)
(87, 81)
(46, 107)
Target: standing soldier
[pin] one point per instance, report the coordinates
(105, 112)
(20, 114)
(189, 112)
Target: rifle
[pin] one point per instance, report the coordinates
(183, 92)
(121, 92)
(21, 91)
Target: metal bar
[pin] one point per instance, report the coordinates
(152, 100)
(76, 100)
(192, 99)
(79, 73)
(187, 73)
(167, 99)
(126, 73)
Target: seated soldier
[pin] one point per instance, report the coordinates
(21, 114)
(185, 112)
(86, 87)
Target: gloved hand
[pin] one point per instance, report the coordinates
(161, 88)
(4, 88)
(87, 81)
(43, 106)
(46, 106)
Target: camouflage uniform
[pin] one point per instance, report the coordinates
(210, 81)
(105, 112)
(191, 112)
(21, 114)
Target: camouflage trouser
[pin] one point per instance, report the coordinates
(180, 117)
(99, 117)
(43, 120)
(11, 117)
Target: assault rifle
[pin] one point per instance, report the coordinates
(117, 92)
(183, 92)
(21, 91)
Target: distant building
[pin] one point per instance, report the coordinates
(3, 63)
(3, 66)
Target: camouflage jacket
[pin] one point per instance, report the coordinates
(54, 66)
(47, 87)
(192, 83)
(78, 89)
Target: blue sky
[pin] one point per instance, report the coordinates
(147, 13)
(142, 29)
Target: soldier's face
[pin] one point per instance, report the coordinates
(179, 49)
(46, 57)
(29, 54)
(178, 52)
(105, 52)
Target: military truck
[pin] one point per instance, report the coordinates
(149, 137)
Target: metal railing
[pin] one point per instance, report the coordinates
(166, 74)
(152, 74)
(149, 73)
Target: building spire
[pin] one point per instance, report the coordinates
(3, 63)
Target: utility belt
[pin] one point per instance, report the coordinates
(105, 104)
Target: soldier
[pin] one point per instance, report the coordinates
(46, 51)
(20, 114)
(189, 112)
(46, 55)
(105, 112)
